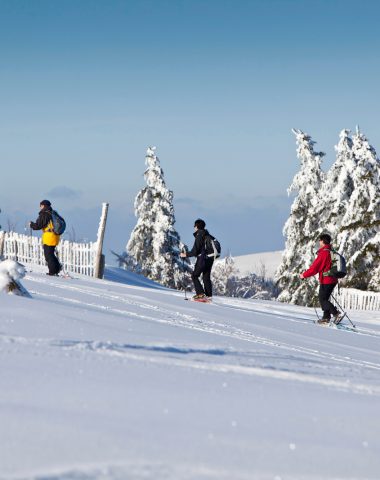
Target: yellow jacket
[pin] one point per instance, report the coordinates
(49, 237)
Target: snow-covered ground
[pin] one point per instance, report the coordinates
(264, 263)
(113, 381)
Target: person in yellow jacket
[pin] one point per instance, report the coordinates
(50, 239)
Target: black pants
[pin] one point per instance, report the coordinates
(328, 308)
(203, 266)
(52, 260)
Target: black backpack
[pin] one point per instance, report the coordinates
(59, 224)
(212, 247)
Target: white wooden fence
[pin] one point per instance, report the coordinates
(352, 299)
(84, 258)
(75, 257)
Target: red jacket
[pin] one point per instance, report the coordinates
(320, 265)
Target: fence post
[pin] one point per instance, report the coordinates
(98, 273)
(2, 240)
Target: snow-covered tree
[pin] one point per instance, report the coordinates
(222, 273)
(154, 245)
(303, 226)
(372, 249)
(336, 191)
(361, 221)
(347, 207)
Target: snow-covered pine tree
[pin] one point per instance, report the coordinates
(303, 226)
(361, 222)
(154, 245)
(372, 248)
(336, 191)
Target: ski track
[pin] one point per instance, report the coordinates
(292, 318)
(207, 326)
(266, 371)
(178, 319)
(232, 304)
(137, 471)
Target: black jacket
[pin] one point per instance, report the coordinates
(43, 219)
(199, 244)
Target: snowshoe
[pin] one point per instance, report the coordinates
(338, 318)
(200, 298)
(323, 321)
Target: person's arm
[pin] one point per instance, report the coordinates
(197, 247)
(314, 268)
(41, 222)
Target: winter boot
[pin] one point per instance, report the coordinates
(199, 296)
(323, 320)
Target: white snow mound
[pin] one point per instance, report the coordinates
(10, 270)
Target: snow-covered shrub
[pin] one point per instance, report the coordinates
(227, 282)
(11, 273)
(221, 275)
(253, 286)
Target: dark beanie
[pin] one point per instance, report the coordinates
(325, 238)
(46, 203)
(200, 224)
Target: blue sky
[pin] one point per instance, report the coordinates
(217, 86)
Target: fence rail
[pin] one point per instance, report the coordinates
(75, 257)
(352, 299)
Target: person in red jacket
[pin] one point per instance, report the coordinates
(321, 266)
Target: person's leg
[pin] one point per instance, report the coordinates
(198, 269)
(50, 259)
(53, 263)
(58, 266)
(332, 308)
(207, 276)
(328, 308)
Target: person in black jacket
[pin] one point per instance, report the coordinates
(49, 238)
(203, 264)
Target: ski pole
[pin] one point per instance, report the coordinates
(315, 308)
(345, 313)
(183, 284)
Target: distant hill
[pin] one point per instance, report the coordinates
(257, 262)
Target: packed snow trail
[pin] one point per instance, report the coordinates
(112, 381)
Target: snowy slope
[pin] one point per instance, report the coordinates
(256, 262)
(110, 381)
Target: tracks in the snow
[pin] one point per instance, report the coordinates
(172, 317)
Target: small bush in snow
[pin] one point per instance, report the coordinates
(226, 282)
(11, 273)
